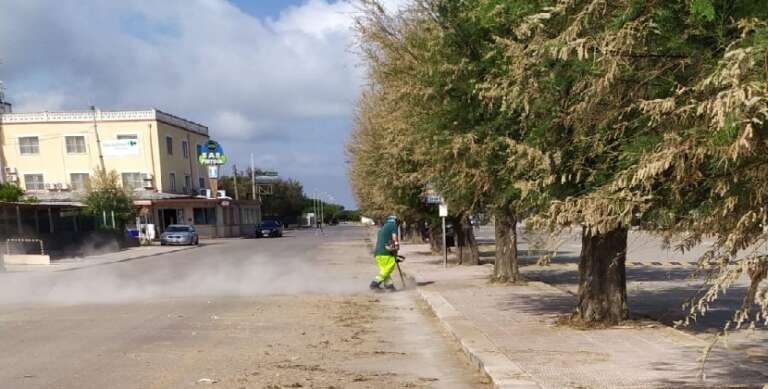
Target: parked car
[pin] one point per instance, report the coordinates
(181, 234)
(269, 228)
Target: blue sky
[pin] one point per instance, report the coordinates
(276, 78)
(265, 8)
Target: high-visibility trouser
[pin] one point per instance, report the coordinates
(386, 266)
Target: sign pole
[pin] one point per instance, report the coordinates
(214, 188)
(443, 211)
(445, 246)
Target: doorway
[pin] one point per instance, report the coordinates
(171, 216)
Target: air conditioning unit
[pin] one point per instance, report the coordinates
(10, 170)
(149, 181)
(205, 193)
(222, 193)
(12, 178)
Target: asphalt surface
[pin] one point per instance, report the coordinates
(241, 313)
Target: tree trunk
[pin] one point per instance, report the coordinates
(469, 253)
(506, 267)
(436, 238)
(410, 233)
(603, 278)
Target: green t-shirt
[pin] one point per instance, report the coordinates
(385, 235)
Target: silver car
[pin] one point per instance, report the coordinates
(182, 234)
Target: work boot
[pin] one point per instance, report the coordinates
(390, 288)
(375, 285)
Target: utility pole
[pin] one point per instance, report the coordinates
(253, 180)
(234, 170)
(5, 107)
(316, 209)
(98, 140)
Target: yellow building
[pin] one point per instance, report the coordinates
(52, 155)
(151, 150)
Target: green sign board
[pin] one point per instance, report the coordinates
(211, 154)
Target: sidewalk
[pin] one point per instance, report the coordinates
(510, 333)
(74, 263)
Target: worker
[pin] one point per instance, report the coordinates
(385, 253)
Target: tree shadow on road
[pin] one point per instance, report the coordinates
(724, 367)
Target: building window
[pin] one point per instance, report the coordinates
(169, 145)
(75, 144)
(205, 215)
(79, 181)
(133, 180)
(34, 181)
(201, 181)
(29, 145)
(127, 137)
(185, 149)
(187, 184)
(172, 178)
(199, 150)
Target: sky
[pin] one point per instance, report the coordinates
(276, 78)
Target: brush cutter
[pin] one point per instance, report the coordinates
(399, 259)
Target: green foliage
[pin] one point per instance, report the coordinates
(286, 201)
(10, 192)
(703, 9)
(106, 196)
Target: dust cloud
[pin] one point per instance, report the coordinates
(207, 271)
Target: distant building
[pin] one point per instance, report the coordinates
(150, 149)
(52, 156)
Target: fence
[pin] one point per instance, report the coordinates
(24, 246)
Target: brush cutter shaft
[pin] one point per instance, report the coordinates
(402, 279)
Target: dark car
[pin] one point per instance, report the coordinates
(269, 228)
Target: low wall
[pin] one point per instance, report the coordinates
(25, 259)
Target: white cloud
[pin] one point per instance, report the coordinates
(256, 82)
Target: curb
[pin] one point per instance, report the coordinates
(482, 353)
(129, 259)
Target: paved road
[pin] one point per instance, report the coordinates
(290, 312)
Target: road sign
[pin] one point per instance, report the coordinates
(211, 154)
(213, 171)
(433, 199)
(443, 210)
(120, 148)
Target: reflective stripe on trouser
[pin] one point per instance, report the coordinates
(386, 266)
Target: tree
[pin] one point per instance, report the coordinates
(589, 114)
(586, 76)
(10, 192)
(107, 196)
(706, 176)
(427, 66)
(286, 201)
